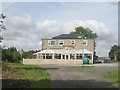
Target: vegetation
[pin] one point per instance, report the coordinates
(113, 76)
(24, 76)
(86, 32)
(115, 50)
(28, 54)
(13, 55)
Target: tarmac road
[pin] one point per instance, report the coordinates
(68, 76)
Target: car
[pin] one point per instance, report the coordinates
(98, 61)
(106, 61)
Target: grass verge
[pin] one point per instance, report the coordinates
(24, 76)
(113, 76)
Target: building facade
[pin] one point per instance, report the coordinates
(66, 47)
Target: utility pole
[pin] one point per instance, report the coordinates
(2, 27)
(21, 52)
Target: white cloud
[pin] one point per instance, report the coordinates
(22, 32)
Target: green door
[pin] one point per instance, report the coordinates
(85, 60)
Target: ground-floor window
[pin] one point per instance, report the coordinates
(72, 56)
(57, 56)
(64, 56)
(78, 56)
(48, 56)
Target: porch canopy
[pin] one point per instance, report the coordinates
(61, 51)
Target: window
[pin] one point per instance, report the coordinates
(84, 42)
(61, 42)
(78, 56)
(48, 56)
(72, 42)
(51, 42)
(72, 56)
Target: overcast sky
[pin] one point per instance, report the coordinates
(28, 22)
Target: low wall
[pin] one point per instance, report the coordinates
(50, 61)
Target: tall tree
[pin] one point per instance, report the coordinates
(85, 32)
(115, 49)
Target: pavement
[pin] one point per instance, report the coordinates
(70, 76)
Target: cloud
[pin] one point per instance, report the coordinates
(24, 33)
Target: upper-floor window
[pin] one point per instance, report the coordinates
(51, 42)
(84, 42)
(72, 42)
(61, 42)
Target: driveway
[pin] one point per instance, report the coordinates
(70, 76)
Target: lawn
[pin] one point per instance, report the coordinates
(113, 76)
(22, 76)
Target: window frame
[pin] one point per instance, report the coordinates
(49, 42)
(59, 42)
(84, 41)
(72, 42)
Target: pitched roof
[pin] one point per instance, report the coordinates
(65, 36)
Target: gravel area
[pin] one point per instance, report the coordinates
(70, 76)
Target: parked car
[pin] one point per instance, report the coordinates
(106, 61)
(98, 61)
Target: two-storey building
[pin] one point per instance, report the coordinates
(66, 47)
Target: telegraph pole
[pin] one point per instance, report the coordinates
(2, 27)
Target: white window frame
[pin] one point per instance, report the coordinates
(60, 41)
(72, 42)
(84, 41)
(49, 42)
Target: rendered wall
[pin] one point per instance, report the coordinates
(50, 61)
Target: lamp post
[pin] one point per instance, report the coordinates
(82, 52)
(82, 49)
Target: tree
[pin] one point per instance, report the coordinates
(86, 32)
(28, 54)
(11, 55)
(114, 50)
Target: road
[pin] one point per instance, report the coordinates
(70, 76)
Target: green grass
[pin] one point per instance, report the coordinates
(33, 74)
(113, 76)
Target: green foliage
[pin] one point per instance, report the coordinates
(11, 55)
(114, 50)
(28, 54)
(86, 32)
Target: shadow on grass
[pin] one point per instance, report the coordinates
(19, 83)
(49, 68)
(28, 68)
(56, 84)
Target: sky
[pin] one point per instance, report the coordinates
(28, 22)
